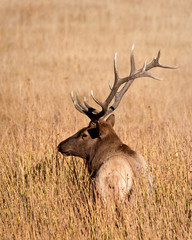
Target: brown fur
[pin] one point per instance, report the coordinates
(112, 164)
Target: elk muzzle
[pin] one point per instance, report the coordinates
(62, 148)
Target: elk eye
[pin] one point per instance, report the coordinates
(84, 135)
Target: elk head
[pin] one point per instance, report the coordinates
(84, 143)
(100, 134)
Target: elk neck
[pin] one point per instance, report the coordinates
(104, 148)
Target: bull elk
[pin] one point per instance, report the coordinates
(112, 164)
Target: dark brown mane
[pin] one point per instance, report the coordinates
(126, 149)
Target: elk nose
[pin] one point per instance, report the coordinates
(59, 147)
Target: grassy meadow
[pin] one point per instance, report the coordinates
(49, 48)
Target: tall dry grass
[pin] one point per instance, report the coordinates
(47, 49)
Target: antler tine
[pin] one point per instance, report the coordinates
(132, 60)
(89, 107)
(164, 66)
(168, 66)
(84, 108)
(77, 106)
(73, 99)
(86, 104)
(92, 113)
(95, 99)
(155, 63)
(158, 56)
(109, 83)
(115, 68)
(144, 66)
(146, 74)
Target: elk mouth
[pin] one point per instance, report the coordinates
(65, 153)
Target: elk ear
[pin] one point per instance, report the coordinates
(111, 120)
(101, 128)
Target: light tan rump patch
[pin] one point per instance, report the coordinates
(114, 178)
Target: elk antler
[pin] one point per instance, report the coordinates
(94, 114)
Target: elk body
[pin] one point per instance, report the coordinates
(112, 164)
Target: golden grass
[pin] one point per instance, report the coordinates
(47, 49)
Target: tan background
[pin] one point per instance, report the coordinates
(47, 49)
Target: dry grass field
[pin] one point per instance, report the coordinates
(49, 48)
